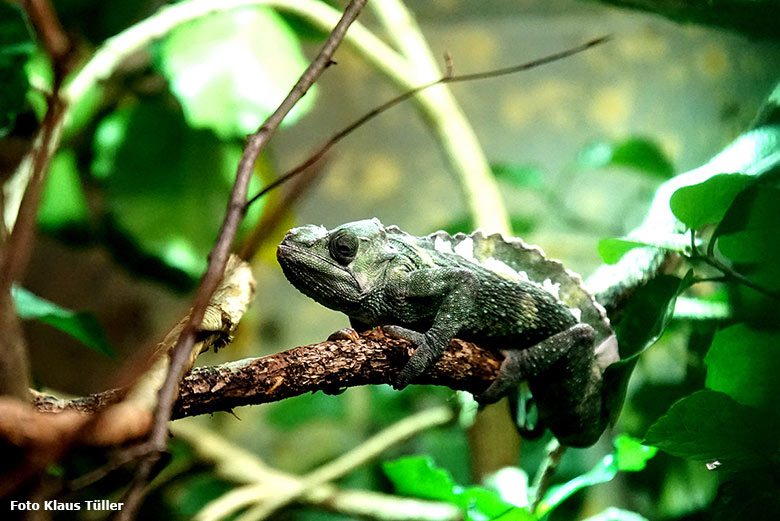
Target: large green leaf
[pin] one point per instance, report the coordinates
(644, 320)
(637, 153)
(745, 364)
(417, 476)
(63, 204)
(80, 325)
(750, 229)
(16, 46)
(707, 202)
(167, 185)
(231, 69)
(711, 426)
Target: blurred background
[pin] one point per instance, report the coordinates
(138, 189)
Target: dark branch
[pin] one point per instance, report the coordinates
(329, 366)
(447, 78)
(219, 254)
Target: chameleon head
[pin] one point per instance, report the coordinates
(337, 268)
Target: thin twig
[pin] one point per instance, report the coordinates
(728, 271)
(219, 254)
(447, 78)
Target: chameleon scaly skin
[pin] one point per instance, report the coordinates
(427, 293)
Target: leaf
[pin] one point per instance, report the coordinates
(80, 325)
(750, 229)
(707, 202)
(638, 153)
(644, 320)
(712, 426)
(167, 185)
(231, 69)
(629, 456)
(647, 313)
(63, 204)
(417, 476)
(744, 364)
(522, 176)
(16, 46)
(612, 250)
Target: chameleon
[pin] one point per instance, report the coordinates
(498, 293)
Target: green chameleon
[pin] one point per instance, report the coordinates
(498, 293)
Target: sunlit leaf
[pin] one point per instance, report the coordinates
(750, 229)
(707, 202)
(629, 455)
(710, 426)
(523, 176)
(612, 250)
(16, 46)
(417, 476)
(744, 364)
(82, 326)
(640, 154)
(167, 185)
(231, 69)
(63, 204)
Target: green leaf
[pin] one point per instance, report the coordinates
(712, 426)
(612, 250)
(629, 456)
(231, 69)
(16, 46)
(707, 202)
(644, 320)
(523, 176)
(167, 185)
(63, 204)
(750, 229)
(417, 476)
(744, 364)
(82, 326)
(640, 154)
(647, 313)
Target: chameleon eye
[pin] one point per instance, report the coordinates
(343, 246)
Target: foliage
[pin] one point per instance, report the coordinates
(418, 476)
(82, 326)
(144, 172)
(16, 46)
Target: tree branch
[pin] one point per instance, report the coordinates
(370, 359)
(181, 352)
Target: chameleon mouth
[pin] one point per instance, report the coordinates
(305, 268)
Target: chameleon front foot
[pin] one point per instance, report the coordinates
(423, 355)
